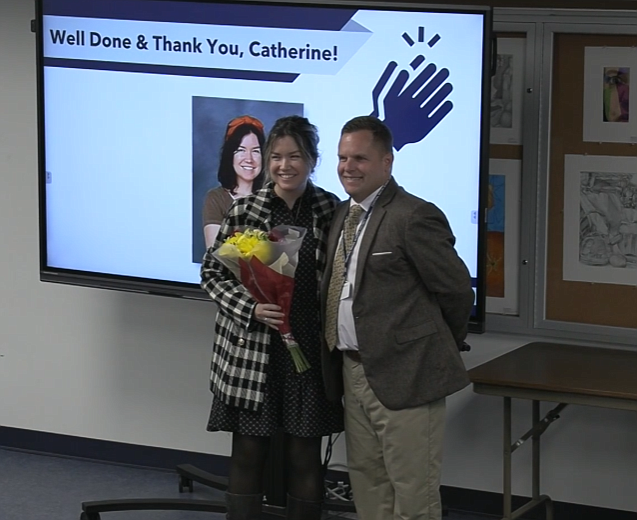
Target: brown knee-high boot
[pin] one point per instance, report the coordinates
(243, 507)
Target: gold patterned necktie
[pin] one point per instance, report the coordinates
(338, 275)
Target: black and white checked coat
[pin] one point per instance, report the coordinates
(240, 349)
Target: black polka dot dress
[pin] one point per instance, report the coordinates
(292, 401)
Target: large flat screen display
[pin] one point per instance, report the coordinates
(136, 98)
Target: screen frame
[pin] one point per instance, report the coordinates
(193, 291)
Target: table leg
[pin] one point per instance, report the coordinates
(537, 431)
(507, 459)
(537, 428)
(536, 450)
(534, 433)
(549, 508)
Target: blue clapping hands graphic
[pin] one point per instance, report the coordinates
(412, 109)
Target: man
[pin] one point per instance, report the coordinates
(396, 300)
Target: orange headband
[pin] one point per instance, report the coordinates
(243, 120)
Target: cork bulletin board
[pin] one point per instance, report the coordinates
(591, 262)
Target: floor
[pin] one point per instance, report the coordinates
(41, 487)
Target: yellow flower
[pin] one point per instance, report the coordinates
(248, 243)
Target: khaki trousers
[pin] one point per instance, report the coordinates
(394, 456)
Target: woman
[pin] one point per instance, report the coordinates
(240, 171)
(256, 388)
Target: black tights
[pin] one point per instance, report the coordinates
(303, 458)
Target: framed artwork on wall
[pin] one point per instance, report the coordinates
(503, 236)
(506, 92)
(600, 219)
(607, 91)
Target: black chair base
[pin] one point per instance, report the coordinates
(188, 475)
(92, 510)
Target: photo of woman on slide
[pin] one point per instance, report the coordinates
(240, 171)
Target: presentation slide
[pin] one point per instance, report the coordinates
(138, 94)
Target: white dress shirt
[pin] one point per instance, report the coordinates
(346, 330)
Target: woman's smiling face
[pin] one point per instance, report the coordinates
(287, 165)
(247, 158)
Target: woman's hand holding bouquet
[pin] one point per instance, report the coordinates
(265, 264)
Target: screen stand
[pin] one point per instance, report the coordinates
(275, 491)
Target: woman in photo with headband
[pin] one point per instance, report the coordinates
(240, 171)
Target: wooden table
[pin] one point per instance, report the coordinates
(564, 374)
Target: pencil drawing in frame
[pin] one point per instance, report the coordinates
(600, 219)
(507, 86)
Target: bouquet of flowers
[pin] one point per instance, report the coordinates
(265, 264)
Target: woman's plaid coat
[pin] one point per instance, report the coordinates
(240, 349)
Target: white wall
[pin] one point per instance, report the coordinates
(134, 368)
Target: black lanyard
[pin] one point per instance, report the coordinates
(359, 229)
